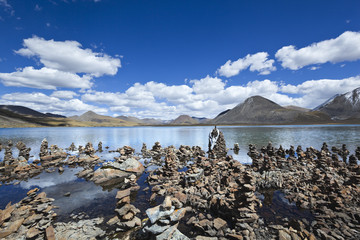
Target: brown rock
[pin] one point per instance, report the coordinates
(32, 232)
(50, 233)
(219, 223)
(284, 235)
(123, 193)
(13, 227)
(113, 220)
(32, 191)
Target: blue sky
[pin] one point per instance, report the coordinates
(165, 58)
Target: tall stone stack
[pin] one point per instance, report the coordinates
(8, 156)
(126, 213)
(44, 148)
(170, 168)
(217, 144)
(89, 149)
(100, 147)
(24, 152)
(72, 147)
(246, 202)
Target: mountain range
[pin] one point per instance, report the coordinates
(256, 110)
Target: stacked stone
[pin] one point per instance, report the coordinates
(236, 148)
(100, 147)
(156, 148)
(343, 152)
(270, 150)
(217, 144)
(171, 166)
(197, 151)
(300, 153)
(269, 163)
(126, 213)
(89, 149)
(257, 160)
(72, 147)
(323, 161)
(164, 220)
(246, 202)
(31, 218)
(126, 151)
(24, 152)
(1, 147)
(357, 152)
(44, 148)
(8, 157)
(81, 149)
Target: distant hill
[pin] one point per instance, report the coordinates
(259, 110)
(342, 107)
(184, 120)
(101, 120)
(144, 121)
(28, 111)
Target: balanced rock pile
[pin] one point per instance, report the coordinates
(217, 145)
(126, 213)
(30, 218)
(164, 220)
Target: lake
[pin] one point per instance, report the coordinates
(86, 196)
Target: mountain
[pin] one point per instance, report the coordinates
(342, 107)
(28, 111)
(259, 110)
(101, 120)
(292, 107)
(184, 120)
(144, 121)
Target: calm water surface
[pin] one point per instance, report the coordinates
(86, 196)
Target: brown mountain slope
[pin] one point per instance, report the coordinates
(259, 110)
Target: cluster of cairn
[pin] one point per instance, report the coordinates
(32, 218)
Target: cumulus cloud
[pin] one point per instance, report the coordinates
(69, 56)
(256, 62)
(64, 94)
(315, 92)
(66, 65)
(208, 85)
(44, 78)
(345, 47)
(44, 103)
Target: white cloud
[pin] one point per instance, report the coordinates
(64, 94)
(44, 78)
(256, 62)
(315, 92)
(207, 85)
(345, 47)
(68, 56)
(37, 8)
(43, 103)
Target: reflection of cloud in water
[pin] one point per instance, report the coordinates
(51, 179)
(83, 193)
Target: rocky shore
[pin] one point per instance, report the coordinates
(193, 194)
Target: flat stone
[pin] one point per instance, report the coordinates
(113, 220)
(123, 193)
(155, 213)
(284, 235)
(219, 223)
(32, 232)
(178, 214)
(13, 227)
(50, 233)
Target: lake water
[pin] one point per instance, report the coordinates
(86, 195)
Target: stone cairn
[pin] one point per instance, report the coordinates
(126, 213)
(31, 217)
(24, 152)
(8, 157)
(164, 220)
(89, 149)
(72, 147)
(100, 147)
(44, 148)
(217, 145)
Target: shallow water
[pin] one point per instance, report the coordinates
(92, 199)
